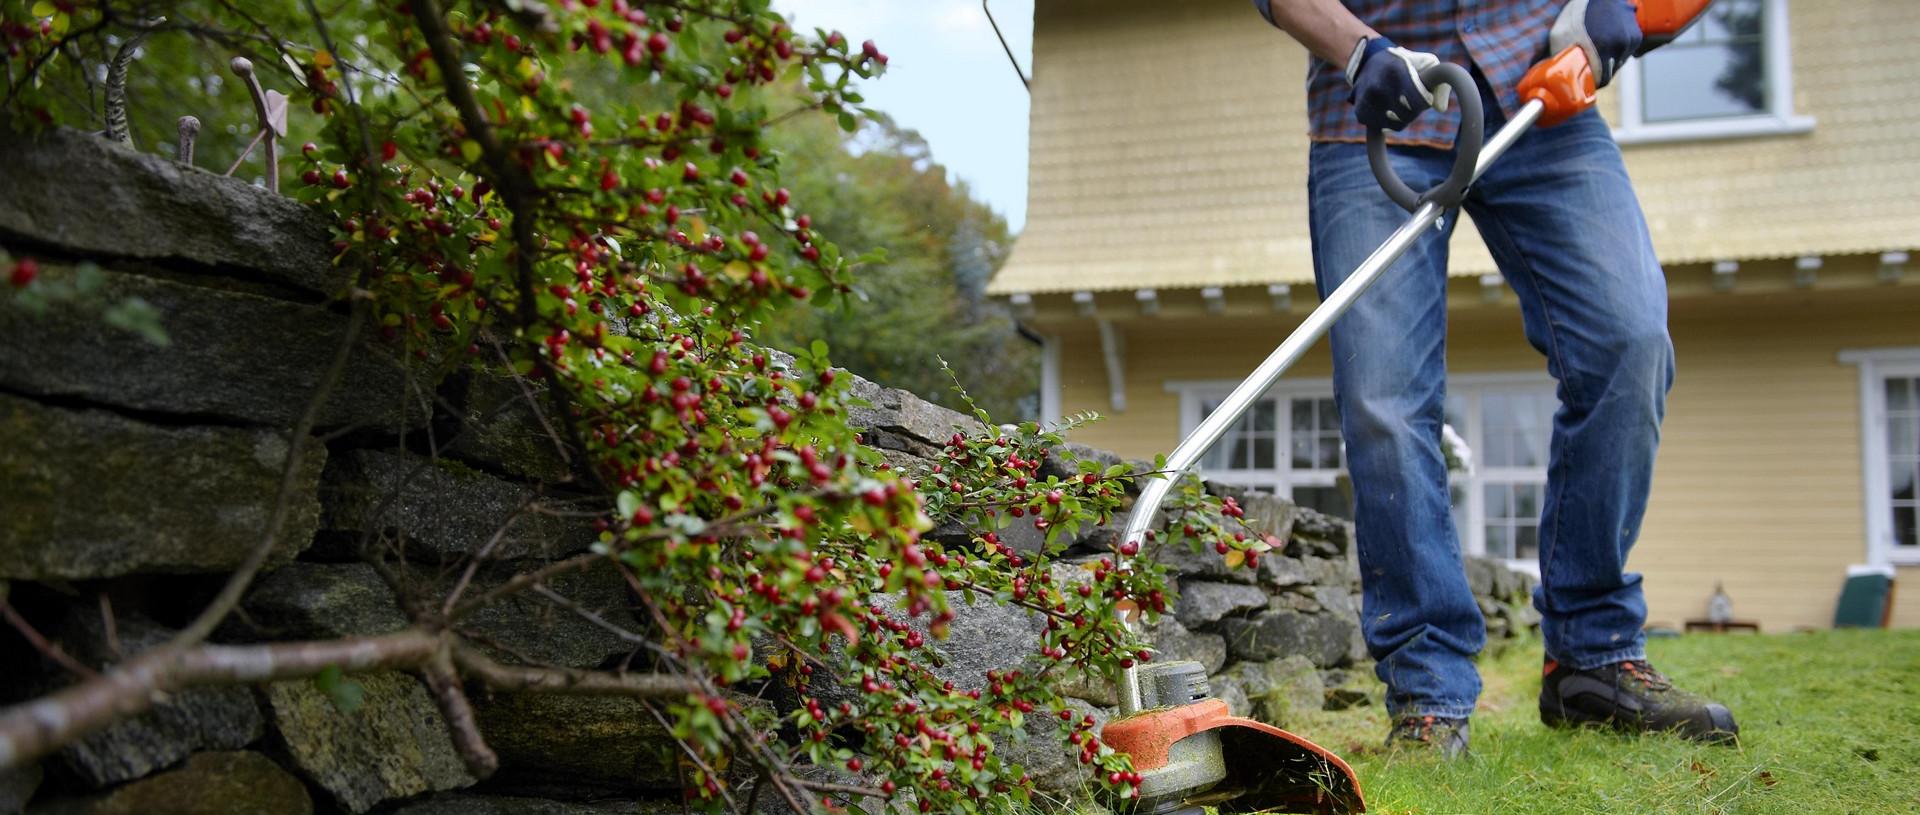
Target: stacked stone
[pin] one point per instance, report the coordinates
(143, 473)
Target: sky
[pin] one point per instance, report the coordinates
(947, 78)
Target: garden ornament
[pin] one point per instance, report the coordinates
(271, 108)
(116, 84)
(189, 130)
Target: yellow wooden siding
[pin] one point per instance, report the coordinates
(1759, 478)
(1168, 150)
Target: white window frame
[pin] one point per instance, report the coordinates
(1473, 538)
(1779, 120)
(1876, 366)
(1282, 480)
(1282, 477)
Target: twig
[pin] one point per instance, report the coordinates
(107, 623)
(453, 597)
(500, 676)
(562, 601)
(40, 643)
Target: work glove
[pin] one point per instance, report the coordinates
(1387, 91)
(1606, 29)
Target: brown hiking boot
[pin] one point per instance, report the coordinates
(1446, 737)
(1631, 696)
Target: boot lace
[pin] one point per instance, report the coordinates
(1641, 670)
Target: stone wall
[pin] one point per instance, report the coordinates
(137, 475)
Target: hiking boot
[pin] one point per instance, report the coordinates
(1448, 737)
(1633, 697)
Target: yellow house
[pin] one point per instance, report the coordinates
(1774, 149)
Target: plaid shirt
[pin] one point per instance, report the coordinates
(1503, 38)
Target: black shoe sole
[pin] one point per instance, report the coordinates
(1722, 731)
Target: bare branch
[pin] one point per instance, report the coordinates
(570, 681)
(451, 698)
(33, 729)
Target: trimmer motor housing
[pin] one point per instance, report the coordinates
(1192, 753)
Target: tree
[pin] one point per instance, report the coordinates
(925, 300)
(620, 253)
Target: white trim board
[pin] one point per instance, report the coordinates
(1876, 365)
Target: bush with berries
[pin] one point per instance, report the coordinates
(584, 193)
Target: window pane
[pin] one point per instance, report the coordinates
(1327, 415)
(1329, 446)
(1263, 452)
(1901, 474)
(1526, 501)
(1904, 533)
(1301, 443)
(1499, 541)
(1729, 19)
(1526, 541)
(1264, 415)
(1533, 429)
(1498, 442)
(1499, 501)
(1325, 499)
(1302, 415)
(1457, 413)
(1900, 393)
(1704, 81)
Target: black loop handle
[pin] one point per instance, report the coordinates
(1466, 144)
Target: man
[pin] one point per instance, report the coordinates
(1559, 216)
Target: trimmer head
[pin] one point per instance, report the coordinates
(1192, 752)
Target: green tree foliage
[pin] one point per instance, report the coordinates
(881, 189)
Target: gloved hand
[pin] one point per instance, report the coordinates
(1606, 29)
(1387, 91)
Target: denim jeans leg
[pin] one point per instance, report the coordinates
(1418, 614)
(1560, 217)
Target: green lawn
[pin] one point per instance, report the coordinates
(1830, 723)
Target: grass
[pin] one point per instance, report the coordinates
(1830, 723)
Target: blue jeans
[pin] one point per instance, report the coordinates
(1559, 216)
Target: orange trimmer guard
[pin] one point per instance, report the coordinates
(1267, 769)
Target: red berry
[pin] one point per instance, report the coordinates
(24, 271)
(657, 43)
(341, 180)
(312, 178)
(388, 150)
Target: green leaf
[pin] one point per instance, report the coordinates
(848, 122)
(139, 317)
(627, 502)
(345, 694)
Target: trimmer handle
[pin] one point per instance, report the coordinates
(1563, 83)
(1466, 144)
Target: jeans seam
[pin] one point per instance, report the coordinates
(1610, 658)
(1439, 712)
(1567, 376)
